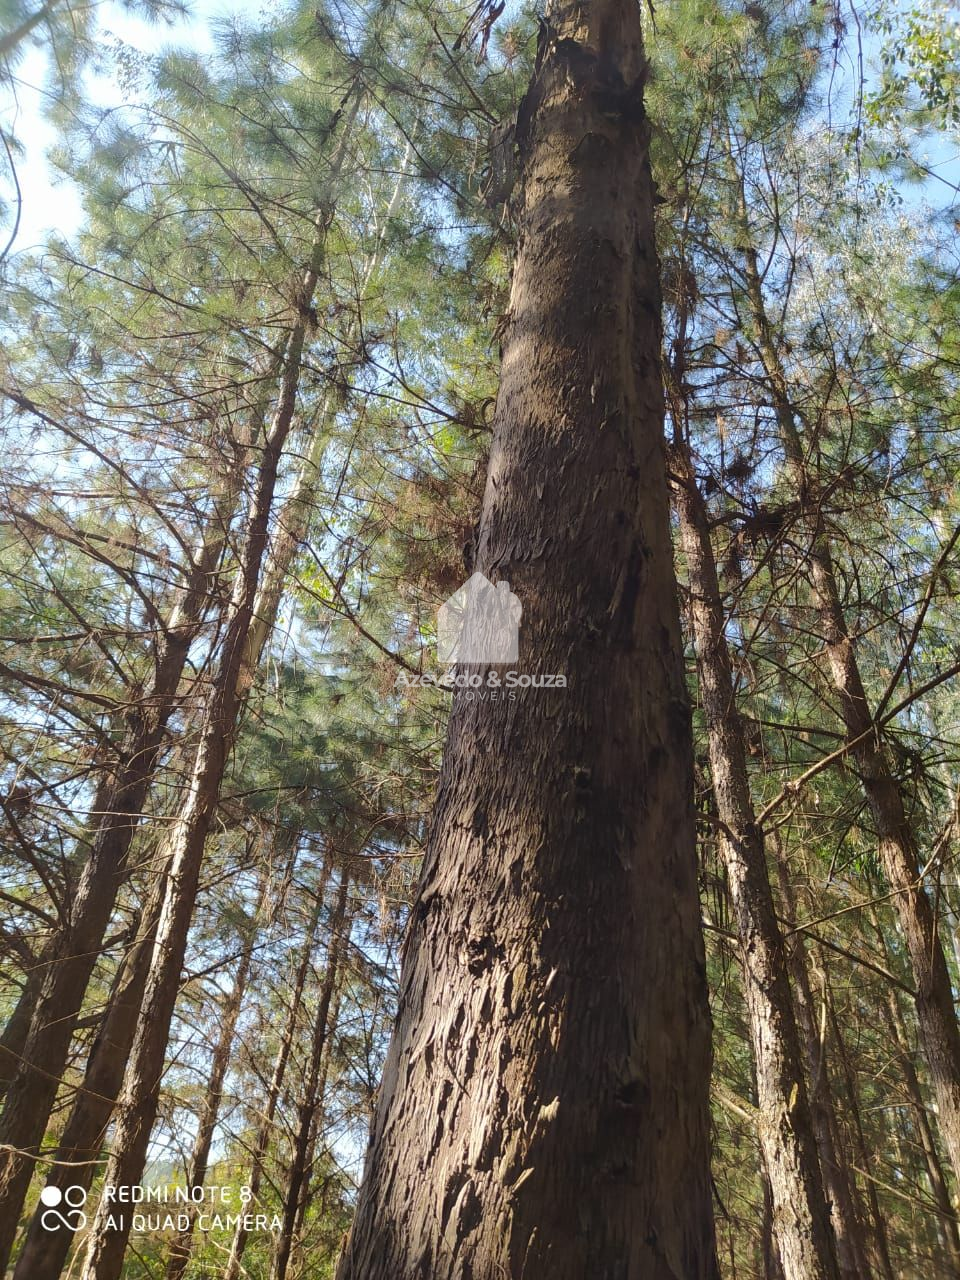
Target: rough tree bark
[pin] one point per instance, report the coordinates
(769, 1257)
(544, 1104)
(801, 1222)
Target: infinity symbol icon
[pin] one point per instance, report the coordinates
(74, 1219)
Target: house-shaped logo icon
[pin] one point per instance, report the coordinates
(479, 623)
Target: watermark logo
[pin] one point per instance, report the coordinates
(479, 623)
(478, 627)
(71, 1216)
(207, 1208)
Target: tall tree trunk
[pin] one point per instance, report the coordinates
(118, 807)
(884, 1259)
(44, 1252)
(185, 843)
(936, 1017)
(544, 1104)
(265, 1126)
(801, 1219)
(310, 1091)
(838, 1182)
(180, 1250)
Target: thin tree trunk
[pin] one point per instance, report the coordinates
(838, 1182)
(310, 1096)
(949, 1230)
(801, 1221)
(14, 1038)
(879, 1223)
(316, 1132)
(182, 1247)
(44, 1252)
(180, 1250)
(294, 519)
(140, 1098)
(544, 1104)
(117, 808)
(936, 1017)
(265, 1127)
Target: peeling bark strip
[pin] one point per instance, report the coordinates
(544, 1104)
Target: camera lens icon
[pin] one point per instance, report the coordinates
(72, 1198)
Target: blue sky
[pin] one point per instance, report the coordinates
(52, 204)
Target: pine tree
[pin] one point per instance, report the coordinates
(537, 1034)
